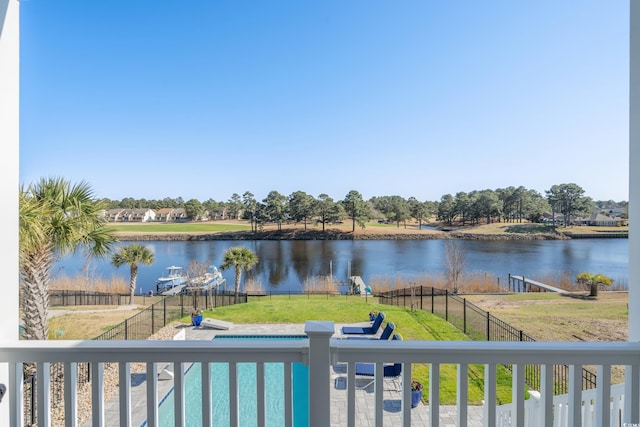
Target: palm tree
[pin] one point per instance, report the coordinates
(133, 255)
(56, 218)
(593, 280)
(242, 259)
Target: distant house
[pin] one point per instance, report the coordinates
(598, 219)
(163, 215)
(549, 217)
(178, 214)
(138, 215)
(114, 215)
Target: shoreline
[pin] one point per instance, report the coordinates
(331, 235)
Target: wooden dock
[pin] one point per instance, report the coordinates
(358, 287)
(522, 284)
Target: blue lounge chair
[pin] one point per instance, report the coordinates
(367, 330)
(386, 333)
(368, 370)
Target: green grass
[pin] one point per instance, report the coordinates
(178, 228)
(418, 325)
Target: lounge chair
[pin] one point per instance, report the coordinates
(367, 330)
(386, 333)
(368, 370)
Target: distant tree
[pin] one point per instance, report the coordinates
(55, 218)
(301, 207)
(128, 203)
(235, 206)
(511, 199)
(446, 209)
(462, 206)
(194, 209)
(250, 209)
(276, 209)
(240, 258)
(455, 261)
(488, 205)
(394, 208)
(534, 205)
(420, 211)
(356, 208)
(168, 202)
(592, 280)
(328, 210)
(569, 200)
(133, 255)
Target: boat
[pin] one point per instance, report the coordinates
(211, 279)
(173, 282)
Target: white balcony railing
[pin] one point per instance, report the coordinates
(320, 352)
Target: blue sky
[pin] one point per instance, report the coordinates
(203, 99)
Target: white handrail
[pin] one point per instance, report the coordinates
(576, 407)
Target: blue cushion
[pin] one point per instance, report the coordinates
(368, 330)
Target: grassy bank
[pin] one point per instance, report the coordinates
(371, 229)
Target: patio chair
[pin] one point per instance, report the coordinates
(366, 330)
(368, 370)
(386, 333)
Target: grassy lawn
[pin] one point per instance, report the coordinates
(196, 227)
(77, 325)
(554, 317)
(417, 325)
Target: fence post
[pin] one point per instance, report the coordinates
(432, 299)
(446, 305)
(164, 310)
(153, 318)
(319, 334)
(126, 329)
(464, 315)
(488, 326)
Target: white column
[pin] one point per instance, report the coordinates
(9, 137)
(631, 384)
(319, 334)
(634, 174)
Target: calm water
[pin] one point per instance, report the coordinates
(284, 265)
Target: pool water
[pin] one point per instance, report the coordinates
(247, 404)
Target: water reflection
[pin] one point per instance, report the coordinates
(285, 265)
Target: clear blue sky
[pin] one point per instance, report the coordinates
(202, 99)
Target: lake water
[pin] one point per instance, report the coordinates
(284, 265)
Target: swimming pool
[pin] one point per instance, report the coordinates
(247, 405)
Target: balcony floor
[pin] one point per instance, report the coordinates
(364, 398)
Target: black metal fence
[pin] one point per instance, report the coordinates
(68, 298)
(138, 327)
(479, 325)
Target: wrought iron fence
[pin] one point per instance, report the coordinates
(479, 325)
(138, 327)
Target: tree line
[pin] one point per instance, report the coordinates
(58, 217)
(510, 204)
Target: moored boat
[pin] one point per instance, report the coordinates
(211, 279)
(173, 282)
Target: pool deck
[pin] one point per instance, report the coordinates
(364, 398)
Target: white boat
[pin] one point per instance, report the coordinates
(210, 280)
(173, 282)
